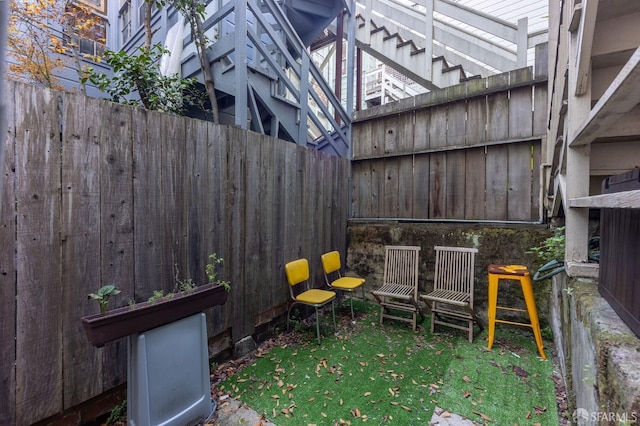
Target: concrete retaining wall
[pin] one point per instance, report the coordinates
(599, 355)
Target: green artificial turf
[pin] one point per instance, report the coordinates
(390, 375)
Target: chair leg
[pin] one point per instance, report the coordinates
(318, 324)
(288, 313)
(333, 312)
(351, 301)
(433, 318)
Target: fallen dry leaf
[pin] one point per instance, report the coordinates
(466, 379)
(483, 416)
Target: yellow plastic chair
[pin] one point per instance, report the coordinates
(298, 273)
(333, 277)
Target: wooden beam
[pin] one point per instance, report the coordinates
(618, 200)
(622, 95)
(585, 43)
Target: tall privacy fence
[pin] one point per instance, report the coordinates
(469, 152)
(98, 193)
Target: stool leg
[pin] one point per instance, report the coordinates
(493, 303)
(533, 312)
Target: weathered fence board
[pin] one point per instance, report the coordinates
(456, 123)
(520, 116)
(498, 117)
(7, 275)
(149, 226)
(497, 183)
(106, 193)
(420, 187)
(475, 184)
(437, 186)
(472, 159)
(519, 177)
(80, 236)
(456, 184)
(476, 120)
(39, 298)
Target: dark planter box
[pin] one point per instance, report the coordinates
(122, 322)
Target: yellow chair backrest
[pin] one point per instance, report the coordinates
(297, 271)
(331, 262)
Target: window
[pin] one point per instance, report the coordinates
(98, 5)
(125, 21)
(142, 8)
(89, 31)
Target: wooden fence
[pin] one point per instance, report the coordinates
(97, 193)
(470, 152)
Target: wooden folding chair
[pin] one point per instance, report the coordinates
(452, 295)
(399, 291)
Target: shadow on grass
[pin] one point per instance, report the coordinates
(387, 374)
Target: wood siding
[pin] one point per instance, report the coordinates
(471, 152)
(98, 193)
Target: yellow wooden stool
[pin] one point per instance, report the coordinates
(515, 273)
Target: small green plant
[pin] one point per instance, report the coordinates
(141, 73)
(118, 415)
(186, 285)
(157, 295)
(212, 273)
(551, 251)
(552, 248)
(103, 295)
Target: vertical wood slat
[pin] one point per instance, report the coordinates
(391, 182)
(421, 187)
(519, 179)
(437, 186)
(116, 222)
(39, 309)
(174, 185)
(80, 235)
(405, 187)
(456, 123)
(195, 205)
(455, 184)
(149, 201)
(496, 178)
(236, 205)
(475, 181)
(421, 130)
(520, 113)
(218, 239)
(7, 269)
(252, 220)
